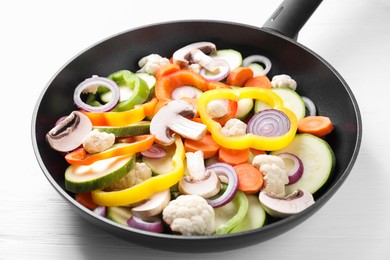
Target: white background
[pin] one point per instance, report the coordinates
(38, 37)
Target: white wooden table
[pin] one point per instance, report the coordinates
(38, 37)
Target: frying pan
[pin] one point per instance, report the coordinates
(276, 40)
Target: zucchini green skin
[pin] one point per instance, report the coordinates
(94, 183)
(140, 128)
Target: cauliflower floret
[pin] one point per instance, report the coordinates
(275, 174)
(234, 127)
(190, 215)
(96, 141)
(283, 81)
(194, 67)
(217, 108)
(150, 63)
(275, 180)
(139, 173)
(262, 159)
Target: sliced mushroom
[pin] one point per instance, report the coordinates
(173, 117)
(154, 205)
(284, 207)
(69, 133)
(205, 61)
(183, 55)
(198, 180)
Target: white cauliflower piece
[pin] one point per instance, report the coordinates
(150, 63)
(195, 169)
(262, 159)
(139, 173)
(190, 215)
(234, 127)
(96, 141)
(275, 179)
(194, 67)
(217, 108)
(283, 81)
(275, 174)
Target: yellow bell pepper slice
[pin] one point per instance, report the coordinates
(138, 113)
(249, 140)
(147, 188)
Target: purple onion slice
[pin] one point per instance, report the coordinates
(154, 152)
(101, 211)
(258, 59)
(229, 176)
(223, 71)
(89, 85)
(294, 166)
(152, 224)
(310, 106)
(269, 122)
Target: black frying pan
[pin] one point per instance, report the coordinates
(316, 79)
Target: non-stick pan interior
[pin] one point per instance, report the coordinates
(316, 80)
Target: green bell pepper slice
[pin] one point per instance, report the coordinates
(240, 202)
(138, 88)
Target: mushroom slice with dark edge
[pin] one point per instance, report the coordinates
(173, 117)
(183, 55)
(69, 133)
(294, 203)
(198, 180)
(154, 205)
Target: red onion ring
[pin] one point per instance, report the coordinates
(101, 211)
(225, 170)
(269, 122)
(295, 172)
(223, 67)
(154, 152)
(152, 224)
(96, 81)
(309, 104)
(258, 59)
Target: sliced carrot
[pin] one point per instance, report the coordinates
(259, 81)
(85, 199)
(250, 179)
(315, 125)
(165, 70)
(206, 144)
(256, 151)
(238, 76)
(233, 156)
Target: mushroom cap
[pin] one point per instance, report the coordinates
(173, 117)
(183, 55)
(286, 206)
(69, 133)
(154, 205)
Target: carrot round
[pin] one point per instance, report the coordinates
(233, 156)
(85, 199)
(315, 125)
(239, 75)
(259, 81)
(206, 144)
(250, 179)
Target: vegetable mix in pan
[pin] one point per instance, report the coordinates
(200, 143)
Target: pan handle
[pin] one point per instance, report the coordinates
(291, 16)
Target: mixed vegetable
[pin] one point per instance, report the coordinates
(201, 143)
